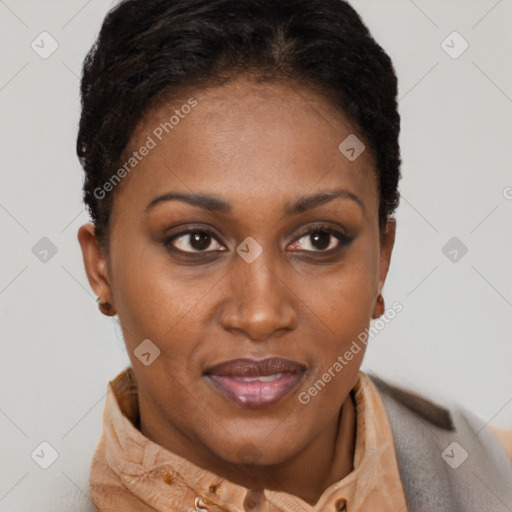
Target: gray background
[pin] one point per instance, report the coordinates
(452, 341)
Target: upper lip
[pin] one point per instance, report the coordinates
(255, 368)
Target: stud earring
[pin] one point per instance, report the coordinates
(105, 307)
(379, 307)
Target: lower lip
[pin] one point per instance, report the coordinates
(256, 393)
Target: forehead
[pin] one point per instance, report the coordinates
(247, 141)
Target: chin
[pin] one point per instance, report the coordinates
(256, 452)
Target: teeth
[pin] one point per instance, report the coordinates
(266, 378)
(269, 378)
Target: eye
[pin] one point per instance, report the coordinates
(193, 241)
(321, 239)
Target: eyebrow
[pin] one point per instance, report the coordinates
(215, 204)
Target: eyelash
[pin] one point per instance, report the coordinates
(343, 239)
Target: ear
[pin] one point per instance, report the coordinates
(387, 241)
(96, 266)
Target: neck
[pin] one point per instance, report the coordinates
(325, 460)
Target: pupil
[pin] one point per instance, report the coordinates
(200, 240)
(320, 239)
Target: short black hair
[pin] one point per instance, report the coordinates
(149, 49)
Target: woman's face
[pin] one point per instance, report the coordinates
(273, 251)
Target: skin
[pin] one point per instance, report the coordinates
(258, 147)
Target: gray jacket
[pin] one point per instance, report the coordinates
(449, 461)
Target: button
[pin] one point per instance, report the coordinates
(199, 505)
(253, 501)
(214, 487)
(168, 477)
(341, 505)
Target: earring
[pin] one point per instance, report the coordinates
(379, 307)
(105, 307)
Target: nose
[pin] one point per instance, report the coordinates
(260, 301)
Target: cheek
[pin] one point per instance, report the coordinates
(341, 326)
(327, 389)
(341, 300)
(340, 307)
(151, 301)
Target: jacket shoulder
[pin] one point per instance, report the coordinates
(448, 458)
(424, 408)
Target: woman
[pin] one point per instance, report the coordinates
(241, 167)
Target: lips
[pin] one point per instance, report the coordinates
(255, 383)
